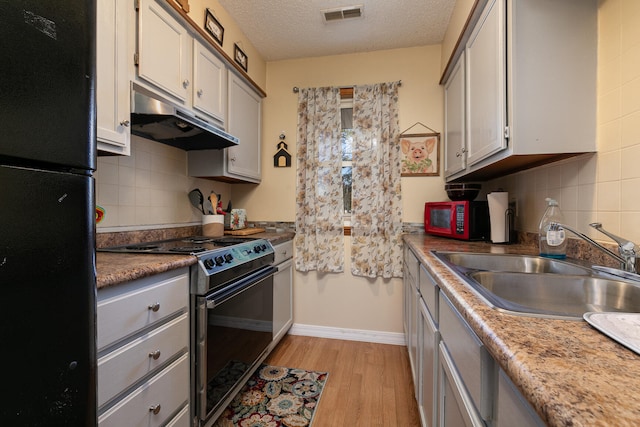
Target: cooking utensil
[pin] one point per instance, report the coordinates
(207, 207)
(213, 201)
(197, 198)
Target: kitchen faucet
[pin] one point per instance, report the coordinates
(626, 248)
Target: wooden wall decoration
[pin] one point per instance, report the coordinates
(282, 158)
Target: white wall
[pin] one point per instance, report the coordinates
(342, 300)
(420, 100)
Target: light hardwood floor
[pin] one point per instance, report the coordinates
(369, 384)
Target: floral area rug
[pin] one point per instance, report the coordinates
(275, 397)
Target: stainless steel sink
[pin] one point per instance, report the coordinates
(542, 287)
(512, 263)
(555, 294)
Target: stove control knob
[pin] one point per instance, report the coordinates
(209, 264)
(256, 249)
(264, 247)
(228, 257)
(219, 260)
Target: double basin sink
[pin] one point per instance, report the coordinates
(543, 287)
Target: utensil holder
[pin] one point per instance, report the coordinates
(212, 225)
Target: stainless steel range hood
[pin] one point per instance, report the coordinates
(159, 120)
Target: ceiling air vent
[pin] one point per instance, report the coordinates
(341, 13)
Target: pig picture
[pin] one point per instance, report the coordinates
(418, 158)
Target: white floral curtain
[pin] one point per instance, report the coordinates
(376, 218)
(319, 240)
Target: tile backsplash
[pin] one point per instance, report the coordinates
(149, 188)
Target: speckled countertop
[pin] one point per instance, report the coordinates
(115, 268)
(572, 374)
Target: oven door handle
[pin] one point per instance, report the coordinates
(219, 297)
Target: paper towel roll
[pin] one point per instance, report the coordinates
(498, 205)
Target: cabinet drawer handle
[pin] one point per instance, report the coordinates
(154, 307)
(155, 355)
(155, 409)
(200, 92)
(233, 159)
(185, 84)
(458, 154)
(125, 123)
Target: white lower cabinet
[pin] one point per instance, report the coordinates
(282, 290)
(466, 368)
(457, 382)
(455, 407)
(143, 352)
(429, 367)
(512, 408)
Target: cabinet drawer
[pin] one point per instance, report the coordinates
(168, 391)
(126, 309)
(283, 252)
(180, 420)
(429, 291)
(124, 366)
(472, 361)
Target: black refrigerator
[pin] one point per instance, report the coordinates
(47, 213)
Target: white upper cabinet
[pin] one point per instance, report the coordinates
(245, 112)
(529, 87)
(454, 104)
(113, 104)
(164, 51)
(209, 82)
(486, 89)
(175, 61)
(240, 163)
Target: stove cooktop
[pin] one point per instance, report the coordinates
(187, 245)
(221, 260)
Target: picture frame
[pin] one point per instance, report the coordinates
(213, 27)
(420, 154)
(240, 57)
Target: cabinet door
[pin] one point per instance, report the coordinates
(486, 85)
(429, 368)
(455, 408)
(164, 51)
(112, 82)
(282, 300)
(209, 82)
(413, 333)
(513, 409)
(244, 122)
(454, 137)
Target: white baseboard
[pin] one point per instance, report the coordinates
(379, 337)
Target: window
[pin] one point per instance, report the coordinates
(346, 142)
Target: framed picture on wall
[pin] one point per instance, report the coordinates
(240, 57)
(420, 154)
(213, 27)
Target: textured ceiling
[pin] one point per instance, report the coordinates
(287, 29)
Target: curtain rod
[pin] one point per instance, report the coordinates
(296, 89)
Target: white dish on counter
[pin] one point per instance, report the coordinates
(621, 327)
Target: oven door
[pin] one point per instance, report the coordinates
(234, 329)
